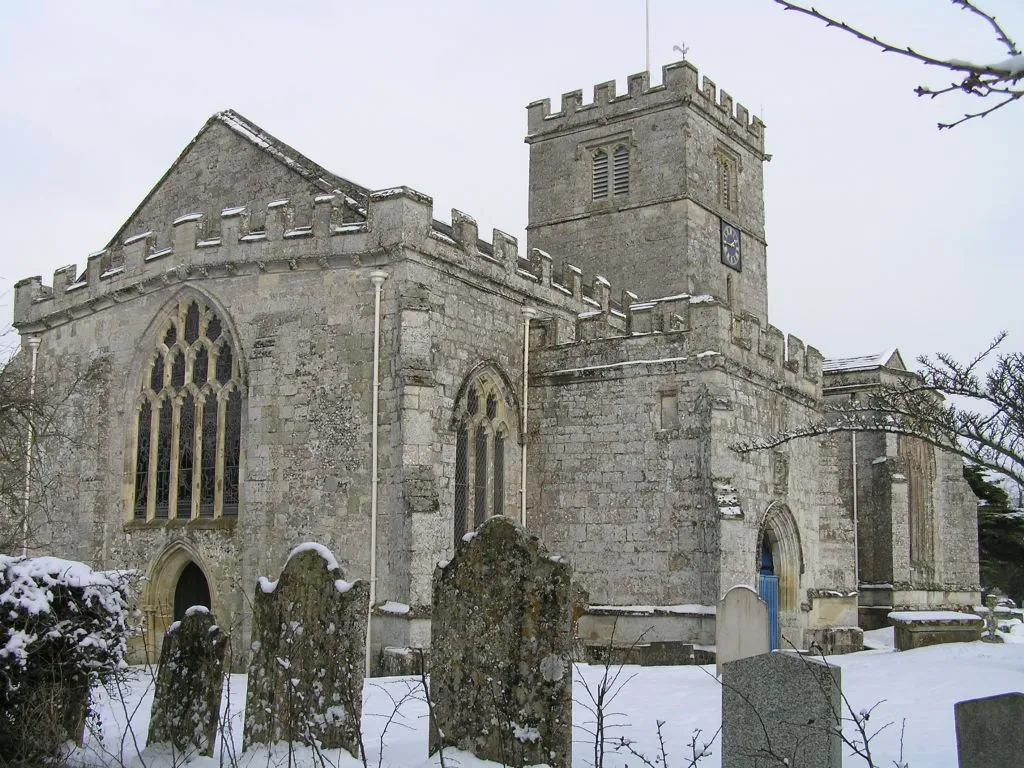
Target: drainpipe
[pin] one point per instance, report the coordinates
(528, 314)
(856, 546)
(377, 277)
(33, 345)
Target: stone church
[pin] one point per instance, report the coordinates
(269, 354)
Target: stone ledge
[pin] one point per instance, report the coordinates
(193, 524)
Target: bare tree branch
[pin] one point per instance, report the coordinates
(979, 80)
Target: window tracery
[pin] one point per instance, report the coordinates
(484, 421)
(189, 421)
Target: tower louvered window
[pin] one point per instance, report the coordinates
(484, 423)
(600, 176)
(189, 421)
(620, 171)
(609, 172)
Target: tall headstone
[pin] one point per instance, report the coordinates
(308, 655)
(186, 703)
(781, 706)
(988, 731)
(501, 649)
(741, 626)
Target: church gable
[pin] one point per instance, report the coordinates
(231, 162)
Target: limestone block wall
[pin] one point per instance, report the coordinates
(618, 466)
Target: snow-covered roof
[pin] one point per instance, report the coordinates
(888, 359)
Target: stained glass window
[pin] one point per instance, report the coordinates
(188, 452)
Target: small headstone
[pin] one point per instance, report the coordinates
(741, 626)
(186, 704)
(988, 732)
(781, 706)
(308, 656)
(501, 649)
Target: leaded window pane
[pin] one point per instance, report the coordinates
(213, 329)
(186, 455)
(192, 323)
(208, 460)
(142, 461)
(492, 406)
(499, 475)
(171, 336)
(156, 376)
(472, 401)
(232, 452)
(201, 367)
(177, 368)
(461, 481)
(165, 427)
(480, 484)
(224, 364)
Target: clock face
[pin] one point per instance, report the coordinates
(732, 254)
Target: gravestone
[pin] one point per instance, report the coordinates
(186, 704)
(988, 731)
(308, 655)
(781, 706)
(501, 649)
(741, 626)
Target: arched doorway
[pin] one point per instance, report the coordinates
(780, 559)
(191, 589)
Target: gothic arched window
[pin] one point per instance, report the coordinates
(484, 422)
(188, 420)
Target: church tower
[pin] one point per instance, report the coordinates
(659, 190)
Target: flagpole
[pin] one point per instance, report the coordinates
(647, 34)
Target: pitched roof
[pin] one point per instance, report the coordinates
(891, 358)
(313, 173)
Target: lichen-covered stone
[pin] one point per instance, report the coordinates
(308, 656)
(186, 703)
(501, 649)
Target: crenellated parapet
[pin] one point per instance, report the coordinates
(681, 83)
(701, 329)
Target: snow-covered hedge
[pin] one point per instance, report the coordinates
(63, 629)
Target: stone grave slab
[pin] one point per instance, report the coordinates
(741, 626)
(988, 731)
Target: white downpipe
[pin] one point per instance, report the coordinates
(377, 277)
(528, 314)
(33, 345)
(856, 524)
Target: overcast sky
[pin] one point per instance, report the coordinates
(882, 231)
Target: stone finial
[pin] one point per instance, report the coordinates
(501, 649)
(186, 704)
(308, 656)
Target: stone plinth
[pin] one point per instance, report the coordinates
(741, 629)
(308, 656)
(781, 706)
(917, 629)
(501, 649)
(988, 732)
(186, 704)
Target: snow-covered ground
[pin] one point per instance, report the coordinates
(919, 686)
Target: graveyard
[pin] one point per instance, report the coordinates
(920, 685)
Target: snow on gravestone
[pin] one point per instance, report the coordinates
(501, 649)
(988, 732)
(308, 656)
(741, 626)
(188, 684)
(780, 706)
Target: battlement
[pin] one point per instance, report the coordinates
(702, 327)
(681, 83)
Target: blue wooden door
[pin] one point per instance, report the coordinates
(768, 589)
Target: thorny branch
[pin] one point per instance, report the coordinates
(988, 429)
(979, 80)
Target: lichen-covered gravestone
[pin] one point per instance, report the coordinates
(308, 655)
(186, 703)
(781, 707)
(988, 732)
(501, 649)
